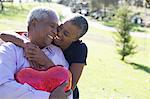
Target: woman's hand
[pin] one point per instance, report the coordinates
(35, 54)
(59, 92)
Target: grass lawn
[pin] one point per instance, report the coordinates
(105, 76)
(109, 77)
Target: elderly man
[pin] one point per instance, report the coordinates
(41, 24)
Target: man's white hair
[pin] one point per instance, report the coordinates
(40, 13)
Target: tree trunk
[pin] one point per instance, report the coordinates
(123, 57)
(2, 6)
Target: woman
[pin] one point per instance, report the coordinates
(75, 51)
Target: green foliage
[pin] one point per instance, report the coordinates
(125, 45)
(94, 4)
(108, 23)
(61, 16)
(97, 4)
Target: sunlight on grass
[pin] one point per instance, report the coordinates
(106, 77)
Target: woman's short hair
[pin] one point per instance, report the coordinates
(80, 22)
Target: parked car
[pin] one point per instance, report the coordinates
(102, 14)
(64, 2)
(137, 19)
(76, 7)
(81, 7)
(96, 14)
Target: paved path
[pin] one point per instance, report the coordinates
(136, 34)
(67, 12)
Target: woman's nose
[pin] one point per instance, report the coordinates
(59, 33)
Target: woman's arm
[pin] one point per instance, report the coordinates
(12, 38)
(76, 70)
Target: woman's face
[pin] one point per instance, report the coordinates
(67, 33)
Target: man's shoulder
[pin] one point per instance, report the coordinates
(9, 45)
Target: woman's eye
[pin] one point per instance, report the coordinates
(65, 33)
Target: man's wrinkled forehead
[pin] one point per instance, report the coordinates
(53, 19)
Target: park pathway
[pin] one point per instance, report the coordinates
(67, 12)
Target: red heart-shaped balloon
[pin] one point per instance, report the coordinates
(45, 80)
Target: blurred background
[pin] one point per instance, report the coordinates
(118, 40)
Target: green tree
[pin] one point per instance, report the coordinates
(124, 42)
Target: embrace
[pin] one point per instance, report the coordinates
(49, 46)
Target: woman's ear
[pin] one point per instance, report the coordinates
(77, 38)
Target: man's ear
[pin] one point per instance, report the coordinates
(34, 22)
